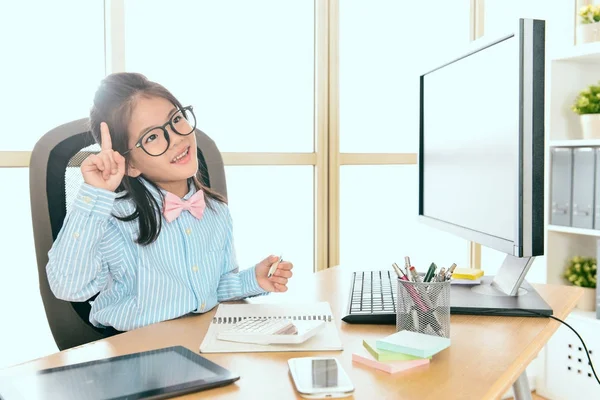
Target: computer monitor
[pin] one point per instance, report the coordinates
(481, 160)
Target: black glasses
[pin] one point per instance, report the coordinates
(156, 141)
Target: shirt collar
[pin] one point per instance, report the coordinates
(156, 193)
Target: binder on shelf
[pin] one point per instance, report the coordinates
(597, 191)
(597, 286)
(561, 173)
(584, 168)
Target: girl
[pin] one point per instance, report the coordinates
(162, 247)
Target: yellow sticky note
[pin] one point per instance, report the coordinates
(467, 273)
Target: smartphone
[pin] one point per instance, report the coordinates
(320, 378)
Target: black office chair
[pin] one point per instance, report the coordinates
(55, 179)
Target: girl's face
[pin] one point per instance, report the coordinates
(179, 162)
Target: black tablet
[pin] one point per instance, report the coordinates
(156, 374)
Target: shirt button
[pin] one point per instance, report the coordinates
(75, 235)
(195, 268)
(203, 306)
(86, 199)
(188, 231)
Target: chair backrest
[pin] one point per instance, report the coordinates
(54, 179)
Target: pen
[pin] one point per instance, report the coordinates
(422, 300)
(415, 276)
(407, 264)
(450, 271)
(420, 289)
(274, 267)
(415, 296)
(398, 270)
(430, 272)
(442, 275)
(434, 322)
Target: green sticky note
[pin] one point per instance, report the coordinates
(386, 355)
(414, 343)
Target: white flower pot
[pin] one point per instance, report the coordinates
(587, 33)
(590, 126)
(587, 302)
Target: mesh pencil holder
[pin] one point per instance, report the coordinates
(423, 307)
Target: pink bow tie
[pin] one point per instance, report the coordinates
(174, 205)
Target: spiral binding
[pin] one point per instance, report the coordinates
(233, 320)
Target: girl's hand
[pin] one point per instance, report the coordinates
(104, 170)
(278, 281)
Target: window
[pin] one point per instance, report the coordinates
(21, 307)
(384, 47)
(248, 70)
(379, 224)
(53, 60)
(246, 66)
(501, 16)
(272, 211)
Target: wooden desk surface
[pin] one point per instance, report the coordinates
(486, 356)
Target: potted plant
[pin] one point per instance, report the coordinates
(588, 29)
(581, 271)
(587, 105)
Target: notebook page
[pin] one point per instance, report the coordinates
(326, 340)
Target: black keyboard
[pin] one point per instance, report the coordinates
(372, 298)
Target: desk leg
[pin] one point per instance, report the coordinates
(521, 388)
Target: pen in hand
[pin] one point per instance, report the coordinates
(274, 267)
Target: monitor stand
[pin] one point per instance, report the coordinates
(507, 293)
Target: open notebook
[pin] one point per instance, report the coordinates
(227, 314)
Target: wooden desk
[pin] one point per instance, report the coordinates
(488, 353)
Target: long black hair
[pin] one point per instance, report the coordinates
(113, 103)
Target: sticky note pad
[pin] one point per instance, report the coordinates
(391, 367)
(467, 273)
(385, 355)
(465, 281)
(413, 343)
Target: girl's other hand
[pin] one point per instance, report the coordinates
(106, 169)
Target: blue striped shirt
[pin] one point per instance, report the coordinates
(189, 268)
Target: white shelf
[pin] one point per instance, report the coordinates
(586, 315)
(588, 52)
(575, 231)
(575, 143)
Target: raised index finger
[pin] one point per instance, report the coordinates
(105, 137)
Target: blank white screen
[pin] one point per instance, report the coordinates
(471, 110)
